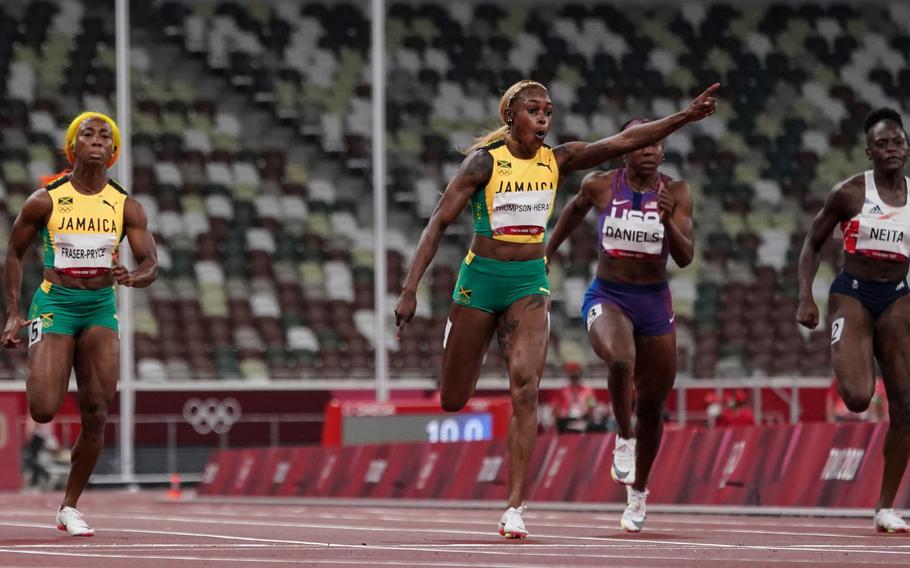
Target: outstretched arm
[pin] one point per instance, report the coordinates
(585, 155)
(34, 214)
(836, 209)
(475, 171)
(142, 243)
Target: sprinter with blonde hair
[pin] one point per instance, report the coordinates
(81, 215)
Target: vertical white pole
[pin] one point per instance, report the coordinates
(795, 410)
(125, 295)
(379, 198)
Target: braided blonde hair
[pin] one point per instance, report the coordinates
(505, 103)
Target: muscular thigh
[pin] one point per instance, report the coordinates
(851, 344)
(97, 361)
(892, 349)
(50, 362)
(612, 336)
(523, 331)
(467, 337)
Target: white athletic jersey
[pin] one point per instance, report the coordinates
(879, 231)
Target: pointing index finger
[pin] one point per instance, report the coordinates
(710, 90)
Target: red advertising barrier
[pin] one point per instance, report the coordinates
(807, 465)
(10, 472)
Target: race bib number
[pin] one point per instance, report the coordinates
(445, 338)
(633, 237)
(521, 212)
(882, 239)
(595, 312)
(35, 329)
(837, 328)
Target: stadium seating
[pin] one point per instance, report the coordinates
(251, 157)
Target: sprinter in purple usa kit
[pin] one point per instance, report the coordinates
(643, 218)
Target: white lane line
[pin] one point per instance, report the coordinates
(268, 515)
(459, 532)
(361, 529)
(527, 551)
(764, 532)
(682, 546)
(297, 561)
(162, 545)
(860, 547)
(723, 522)
(375, 562)
(384, 515)
(663, 523)
(180, 533)
(242, 522)
(536, 526)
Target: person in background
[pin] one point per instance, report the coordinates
(576, 402)
(713, 408)
(736, 412)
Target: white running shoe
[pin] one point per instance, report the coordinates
(70, 520)
(511, 525)
(633, 518)
(887, 520)
(623, 469)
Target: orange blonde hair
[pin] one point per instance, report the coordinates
(69, 145)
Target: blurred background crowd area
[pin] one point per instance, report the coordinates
(251, 155)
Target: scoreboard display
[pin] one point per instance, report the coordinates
(368, 422)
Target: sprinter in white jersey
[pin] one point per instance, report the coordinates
(868, 307)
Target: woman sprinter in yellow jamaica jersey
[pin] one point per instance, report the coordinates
(72, 323)
(510, 178)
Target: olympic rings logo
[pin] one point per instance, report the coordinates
(211, 415)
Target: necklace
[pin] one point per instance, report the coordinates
(84, 187)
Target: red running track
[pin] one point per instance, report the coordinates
(144, 529)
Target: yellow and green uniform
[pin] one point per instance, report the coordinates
(82, 235)
(514, 206)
